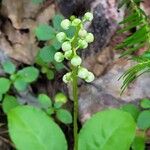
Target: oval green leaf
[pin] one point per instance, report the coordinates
(45, 32)
(108, 130)
(4, 85)
(44, 101)
(31, 129)
(9, 67)
(20, 85)
(143, 121)
(132, 109)
(47, 54)
(145, 103)
(64, 116)
(28, 74)
(9, 103)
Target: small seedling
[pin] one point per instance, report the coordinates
(55, 108)
(19, 79)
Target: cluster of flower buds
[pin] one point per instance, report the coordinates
(80, 40)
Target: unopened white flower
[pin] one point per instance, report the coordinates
(82, 44)
(68, 54)
(82, 73)
(76, 22)
(82, 33)
(65, 24)
(90, 77)
(88, 16)
(67, 77)
(61, 36)
(89, 38)
(76, 61)
(66, 46)
(59, 57)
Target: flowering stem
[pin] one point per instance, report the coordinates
(75, 92)
(75, 114)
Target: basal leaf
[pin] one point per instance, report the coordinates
(9, 103)
(9, 67)
(45, 32)
(47, 53)
(57, 21)
(4, 85)
(20, 85)
(145, 103)
(143, 121)
(37, 1)
(44, 101)
(64, 116)
(28, 74)
(50, 74)
(132, 109)
(108, 130)
(138, 143)
(31, 129)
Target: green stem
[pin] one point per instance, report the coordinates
(75, 91)
(75, 114)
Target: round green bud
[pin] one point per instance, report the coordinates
(65, 24)
(59, 57)
(82, 73)
(66, 46)
(89, 38)
(68, 54)
(61, 36)
(67, 77)
(13, 77)
(82, 33)
(76, 61)
(76, 22)
(60, 97)
(88, 16)
(44, 70)
(72, 17)
(90, 77)
(82, 44)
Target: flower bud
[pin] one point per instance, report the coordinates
(59, 57)
(82, 73)
(61, 36)
(76, 61)
(90, 77)
(60, 97)
(76, 22)
(89, 38)
(44, 70)
(13, 77)
(72, 17)
(82, 44)
(82, 33)
(68, 54)
(65, 24)
(66, 46)
(67, 77)
(88, 16)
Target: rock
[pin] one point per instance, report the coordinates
(145, 5)
(98, 69)
(17, 11)
(18, 32)
(105, 91)
(98, 64)
(46, 15)
(20, 45)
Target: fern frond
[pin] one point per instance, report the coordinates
(134, 72)
(140, 38)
